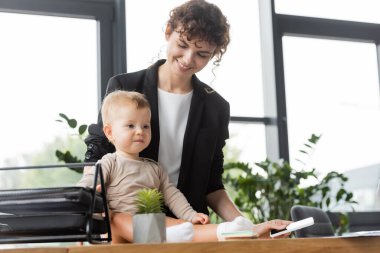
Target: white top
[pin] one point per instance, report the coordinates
(173, 111)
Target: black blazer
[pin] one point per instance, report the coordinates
(206, 131)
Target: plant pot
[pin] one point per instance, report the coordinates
(149, 228)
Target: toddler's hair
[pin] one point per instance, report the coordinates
(120, 97)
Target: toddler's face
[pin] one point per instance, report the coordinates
(131, 129)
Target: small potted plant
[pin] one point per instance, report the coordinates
(149, 220)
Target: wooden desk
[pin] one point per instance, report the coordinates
(36, 250)
(306, 245)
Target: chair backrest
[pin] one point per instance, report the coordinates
(358, 221)
(364, 221)
(322, 225)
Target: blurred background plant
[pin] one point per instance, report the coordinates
(69, 148)
(271, 192)
(79, 132)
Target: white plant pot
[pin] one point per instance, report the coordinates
(149, 228)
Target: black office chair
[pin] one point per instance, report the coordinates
(322, 225)
(364, 221)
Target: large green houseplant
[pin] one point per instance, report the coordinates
(149, 220)
(271, 193)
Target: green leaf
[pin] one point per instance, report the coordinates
(314, 138)
(325, 190)
(82, 129)
(328, 200)
(349, 196)
(62, 115)
(72, 123)
(67, 157)
(340, 194)
(307, 145)
(59, 155)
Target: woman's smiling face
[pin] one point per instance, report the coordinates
(187, 57)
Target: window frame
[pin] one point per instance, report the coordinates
(284, 25)
(110, 18)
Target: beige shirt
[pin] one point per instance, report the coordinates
(124, 177)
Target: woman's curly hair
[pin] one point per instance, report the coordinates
(202, 20)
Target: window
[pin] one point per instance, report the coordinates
(335, 94)
(49, 66)
(351, 10)
(246, 143)
(329, 68)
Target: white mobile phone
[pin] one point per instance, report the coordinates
(293, 227)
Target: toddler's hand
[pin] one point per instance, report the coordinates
(200, 218)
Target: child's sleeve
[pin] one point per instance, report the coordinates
(88, 176)
(174, 199)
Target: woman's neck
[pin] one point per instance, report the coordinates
(172, 83)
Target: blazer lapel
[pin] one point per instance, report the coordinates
(150, 91)
(192, 128)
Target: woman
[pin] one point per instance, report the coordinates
(189, 119)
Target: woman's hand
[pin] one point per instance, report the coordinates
(263, 229)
